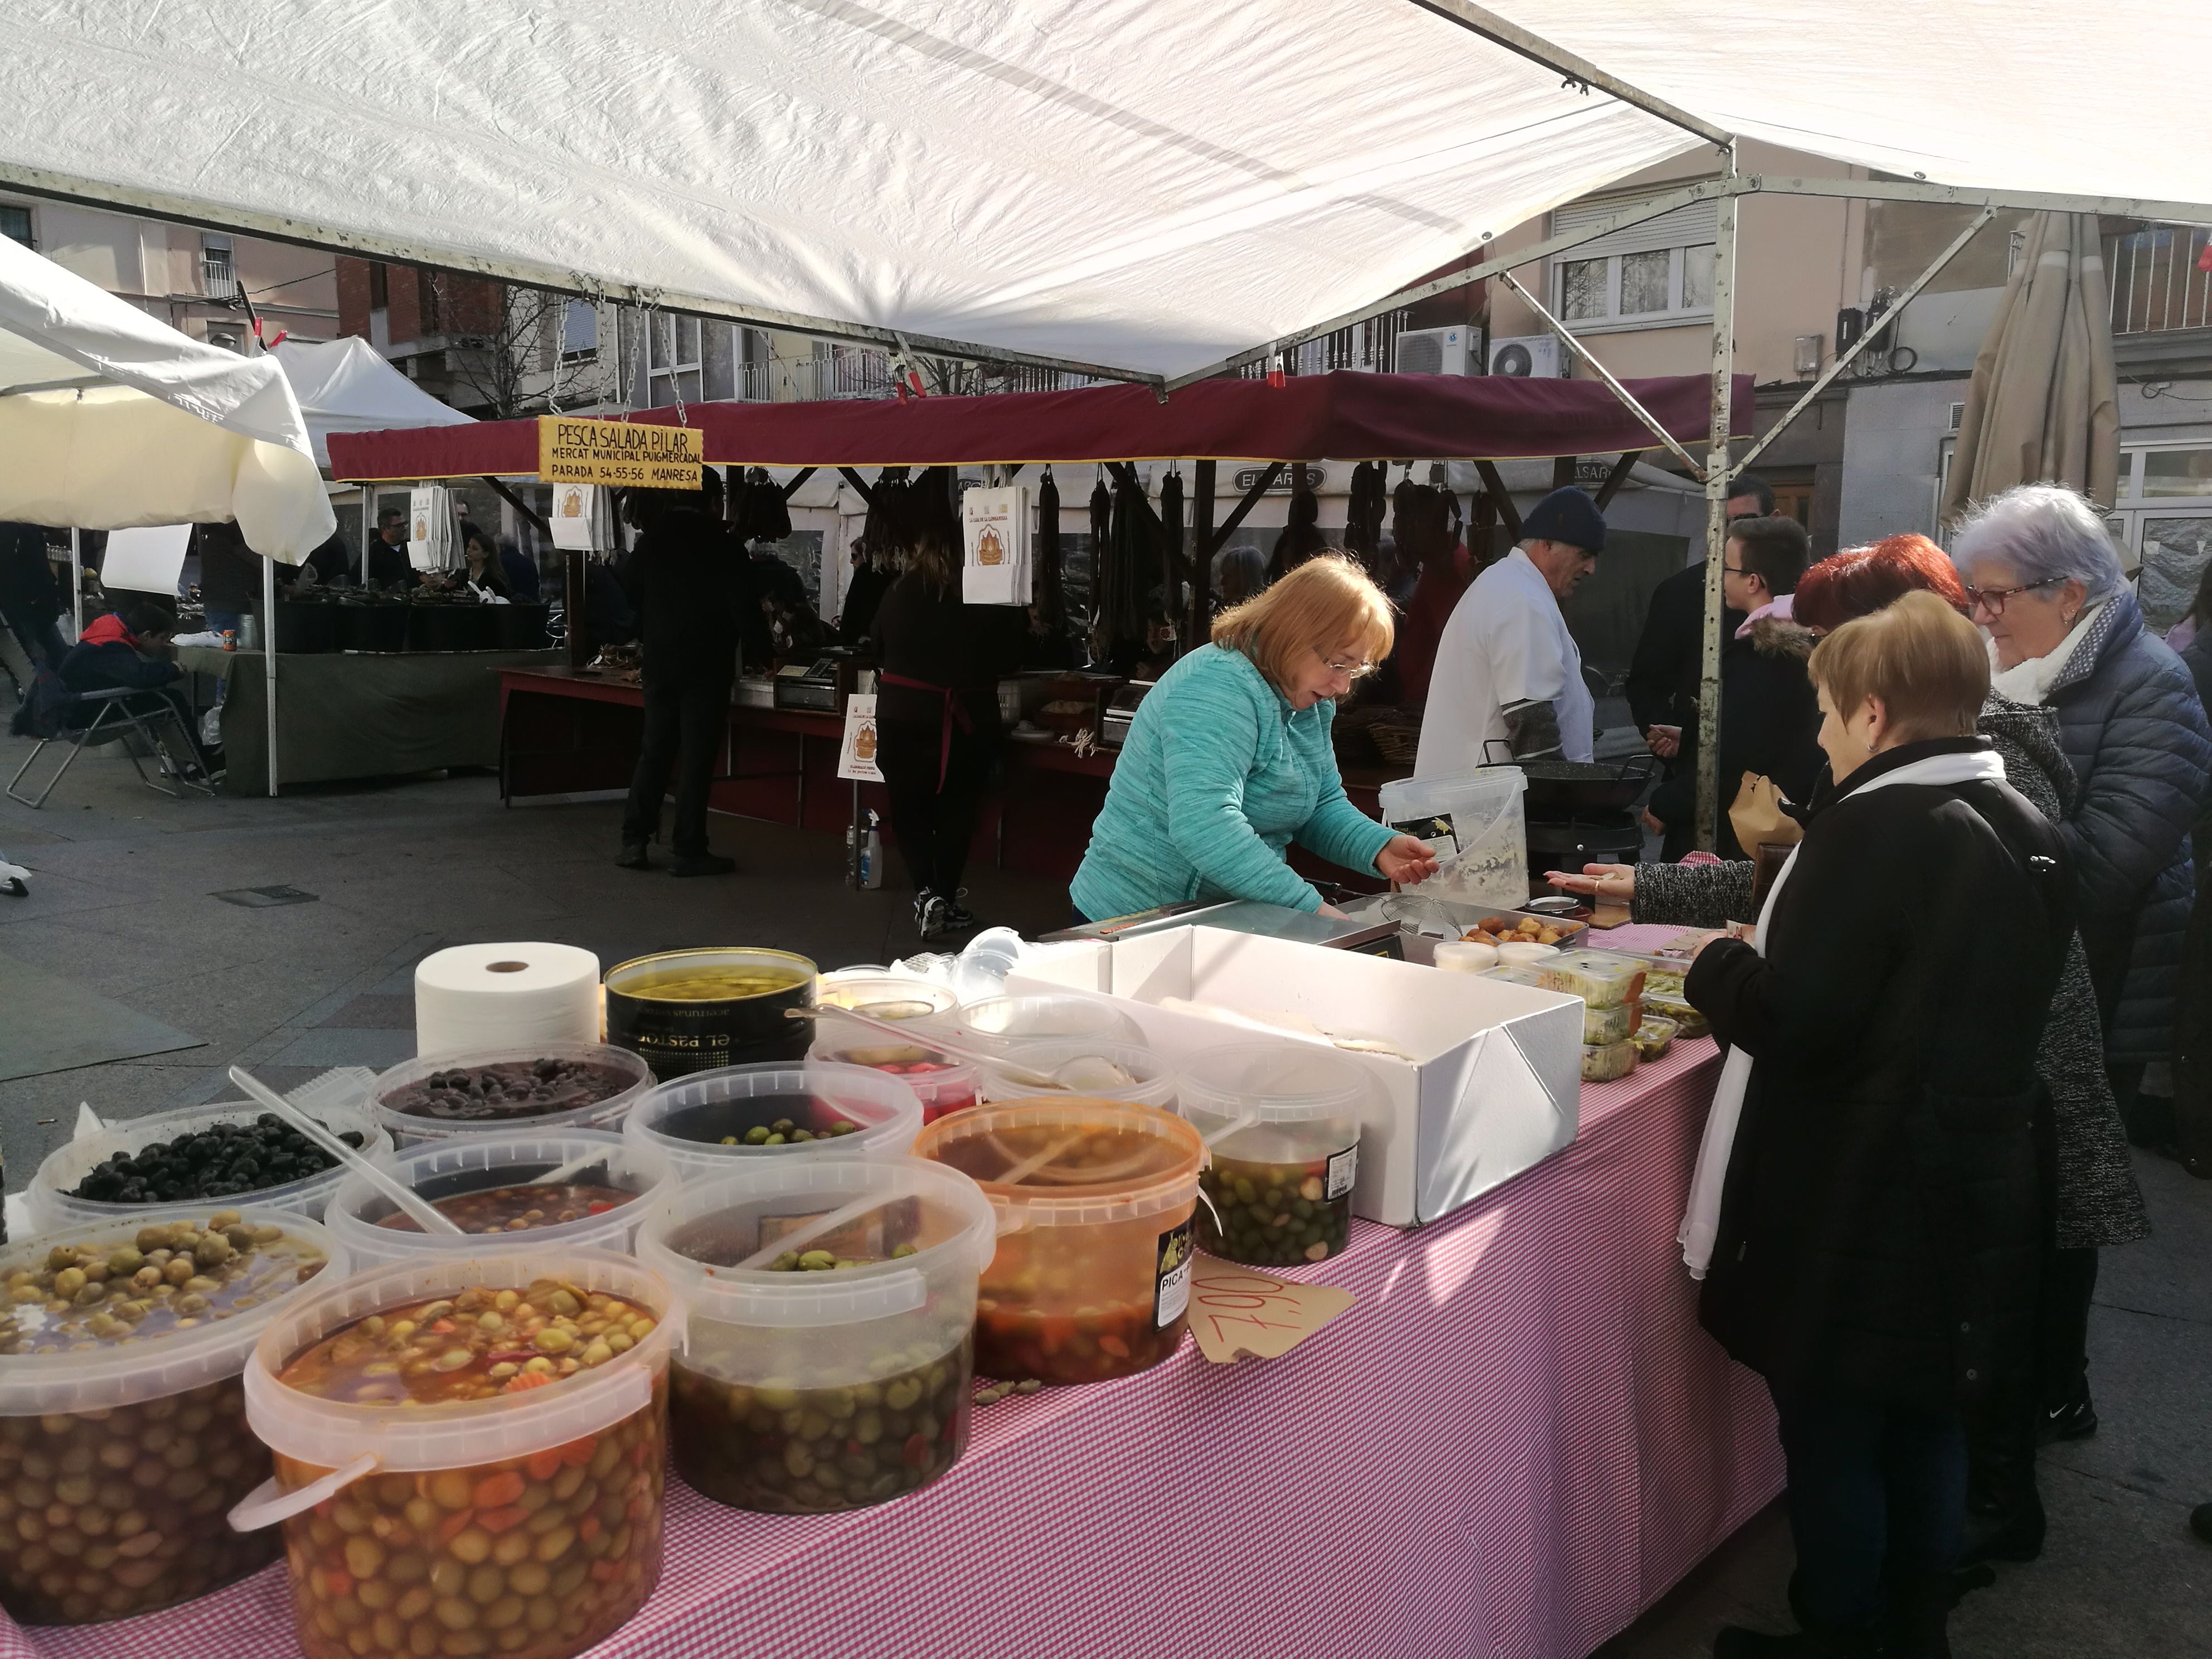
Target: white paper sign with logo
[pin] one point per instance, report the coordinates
(432, 543)
(857, 759)
(995, 525)
(582, 518)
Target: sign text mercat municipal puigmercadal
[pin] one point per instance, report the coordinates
(573, 450)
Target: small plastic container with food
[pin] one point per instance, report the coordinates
(1610, 1024)
(545, 1089)
(698, 1010)
(939, 1082)
(828, 1340)
(713, 1123)
(123, 1430)
(1091, 1279)
(1653, 1037)
(1598, 977)
(469, 1453)
(1282, 1119)
(1604, 1062)
(998, 1023)
(1095, 1070)
(1520, 928)
(225, 1155)
(894, 997)
(1663, 998)
(495, 1188)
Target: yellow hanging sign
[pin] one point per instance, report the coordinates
(573, 450)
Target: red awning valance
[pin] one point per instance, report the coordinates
(1342, 417)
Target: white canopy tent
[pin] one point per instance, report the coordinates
(346, 386)
(109, 419)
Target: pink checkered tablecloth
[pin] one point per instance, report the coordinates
(1515, 1441)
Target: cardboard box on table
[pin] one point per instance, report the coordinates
(1494, 1087)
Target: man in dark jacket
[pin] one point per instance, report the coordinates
(1770, 716)
(683, 576)
(387, 564)
(30, 605)
(230, 575)
(120, 651)
(1669, 660)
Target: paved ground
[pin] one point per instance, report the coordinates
(120, 904)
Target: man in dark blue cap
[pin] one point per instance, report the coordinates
(1509, 678)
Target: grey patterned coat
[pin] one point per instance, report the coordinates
(2098, 1202)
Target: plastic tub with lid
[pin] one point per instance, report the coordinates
(897, 997)
(713, 1123)
(117, 1459)
(941, 1082)
(444, 1526)
(1600, 978)
(997, 1023)
(1096, 1071)
(545, 1089)
(484, 1184)
(1091, 1279)
(834, 1372)
(1282, 1121)
(52, 1184)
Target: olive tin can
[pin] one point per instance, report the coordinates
(682, 1012)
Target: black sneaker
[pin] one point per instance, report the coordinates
(703, 863)
(958, 918)
(2074, 1420)
(930, 914)
(633, 857)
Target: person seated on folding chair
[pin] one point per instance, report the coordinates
(119, 652)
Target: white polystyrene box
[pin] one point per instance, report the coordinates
(1494, 1087)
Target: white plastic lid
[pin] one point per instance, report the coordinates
(115, 1374)
(1275, 1083)
(887, 1110)
(636, 1077)
(472, 1163)
(898, 997)
(948, 1208)
(1151, 1079)
(999, 1023)
(404, 1436)
(52, 1206)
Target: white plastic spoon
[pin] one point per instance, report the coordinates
(422, 1215)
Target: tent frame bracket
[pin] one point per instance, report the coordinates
(1618, 477)
(1237, 514)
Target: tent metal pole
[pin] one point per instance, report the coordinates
(1716, 488)
(1847, 358)
(77, 580)
(1583, 354)
(1500, 33)
(2025, 201)
(269, 659)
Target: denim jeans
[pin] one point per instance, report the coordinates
(1872, 1487)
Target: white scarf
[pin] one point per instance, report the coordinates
(1701, 1220)
(2030, 682)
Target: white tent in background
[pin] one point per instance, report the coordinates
(346, 386)
(109, 419)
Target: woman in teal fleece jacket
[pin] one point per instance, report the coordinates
(1228, 760)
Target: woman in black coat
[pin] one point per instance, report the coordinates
(1875, 1250)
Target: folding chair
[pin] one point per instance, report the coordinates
(114, 721)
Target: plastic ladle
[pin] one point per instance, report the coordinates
(422, 1215)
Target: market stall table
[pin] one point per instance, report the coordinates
(357, 714)
(1514, 1442)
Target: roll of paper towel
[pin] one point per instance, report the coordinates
(505, 996)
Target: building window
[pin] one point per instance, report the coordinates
(1650, 275)
(218, 275)
(16, 225)
(672, 361)
(579, 332)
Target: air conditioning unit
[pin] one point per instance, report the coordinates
(1538, 356)
(1453, 351)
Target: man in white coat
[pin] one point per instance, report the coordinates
(1508, 683)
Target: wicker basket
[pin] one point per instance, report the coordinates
(1398, 744)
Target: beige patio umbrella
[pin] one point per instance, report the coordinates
(2043, 403)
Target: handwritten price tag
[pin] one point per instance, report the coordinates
(1240, 1310)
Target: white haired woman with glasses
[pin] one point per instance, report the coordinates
(2043, 581)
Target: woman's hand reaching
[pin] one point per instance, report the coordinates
(1615, 883)
(1405, 861)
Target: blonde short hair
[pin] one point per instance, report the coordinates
(1925, 662)
(1325, 604)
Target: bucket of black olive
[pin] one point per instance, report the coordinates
(695, 1010)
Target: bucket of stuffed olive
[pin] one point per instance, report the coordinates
(123, 1427)
(495, 1188)
(829, 1313)
(1282, 1121)
(469, 1454)
(693, 1011)
(719, 1122)
(1091, 1279)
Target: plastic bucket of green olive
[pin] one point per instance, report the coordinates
(583, 1190)
(828, 1347)
(1085, 1066)
(717, 1122)
(1281, 1120)
(466, 1449)
(123, 1430)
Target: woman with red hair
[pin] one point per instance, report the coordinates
(2096, 1201)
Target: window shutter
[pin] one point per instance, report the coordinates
(1685, 227)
